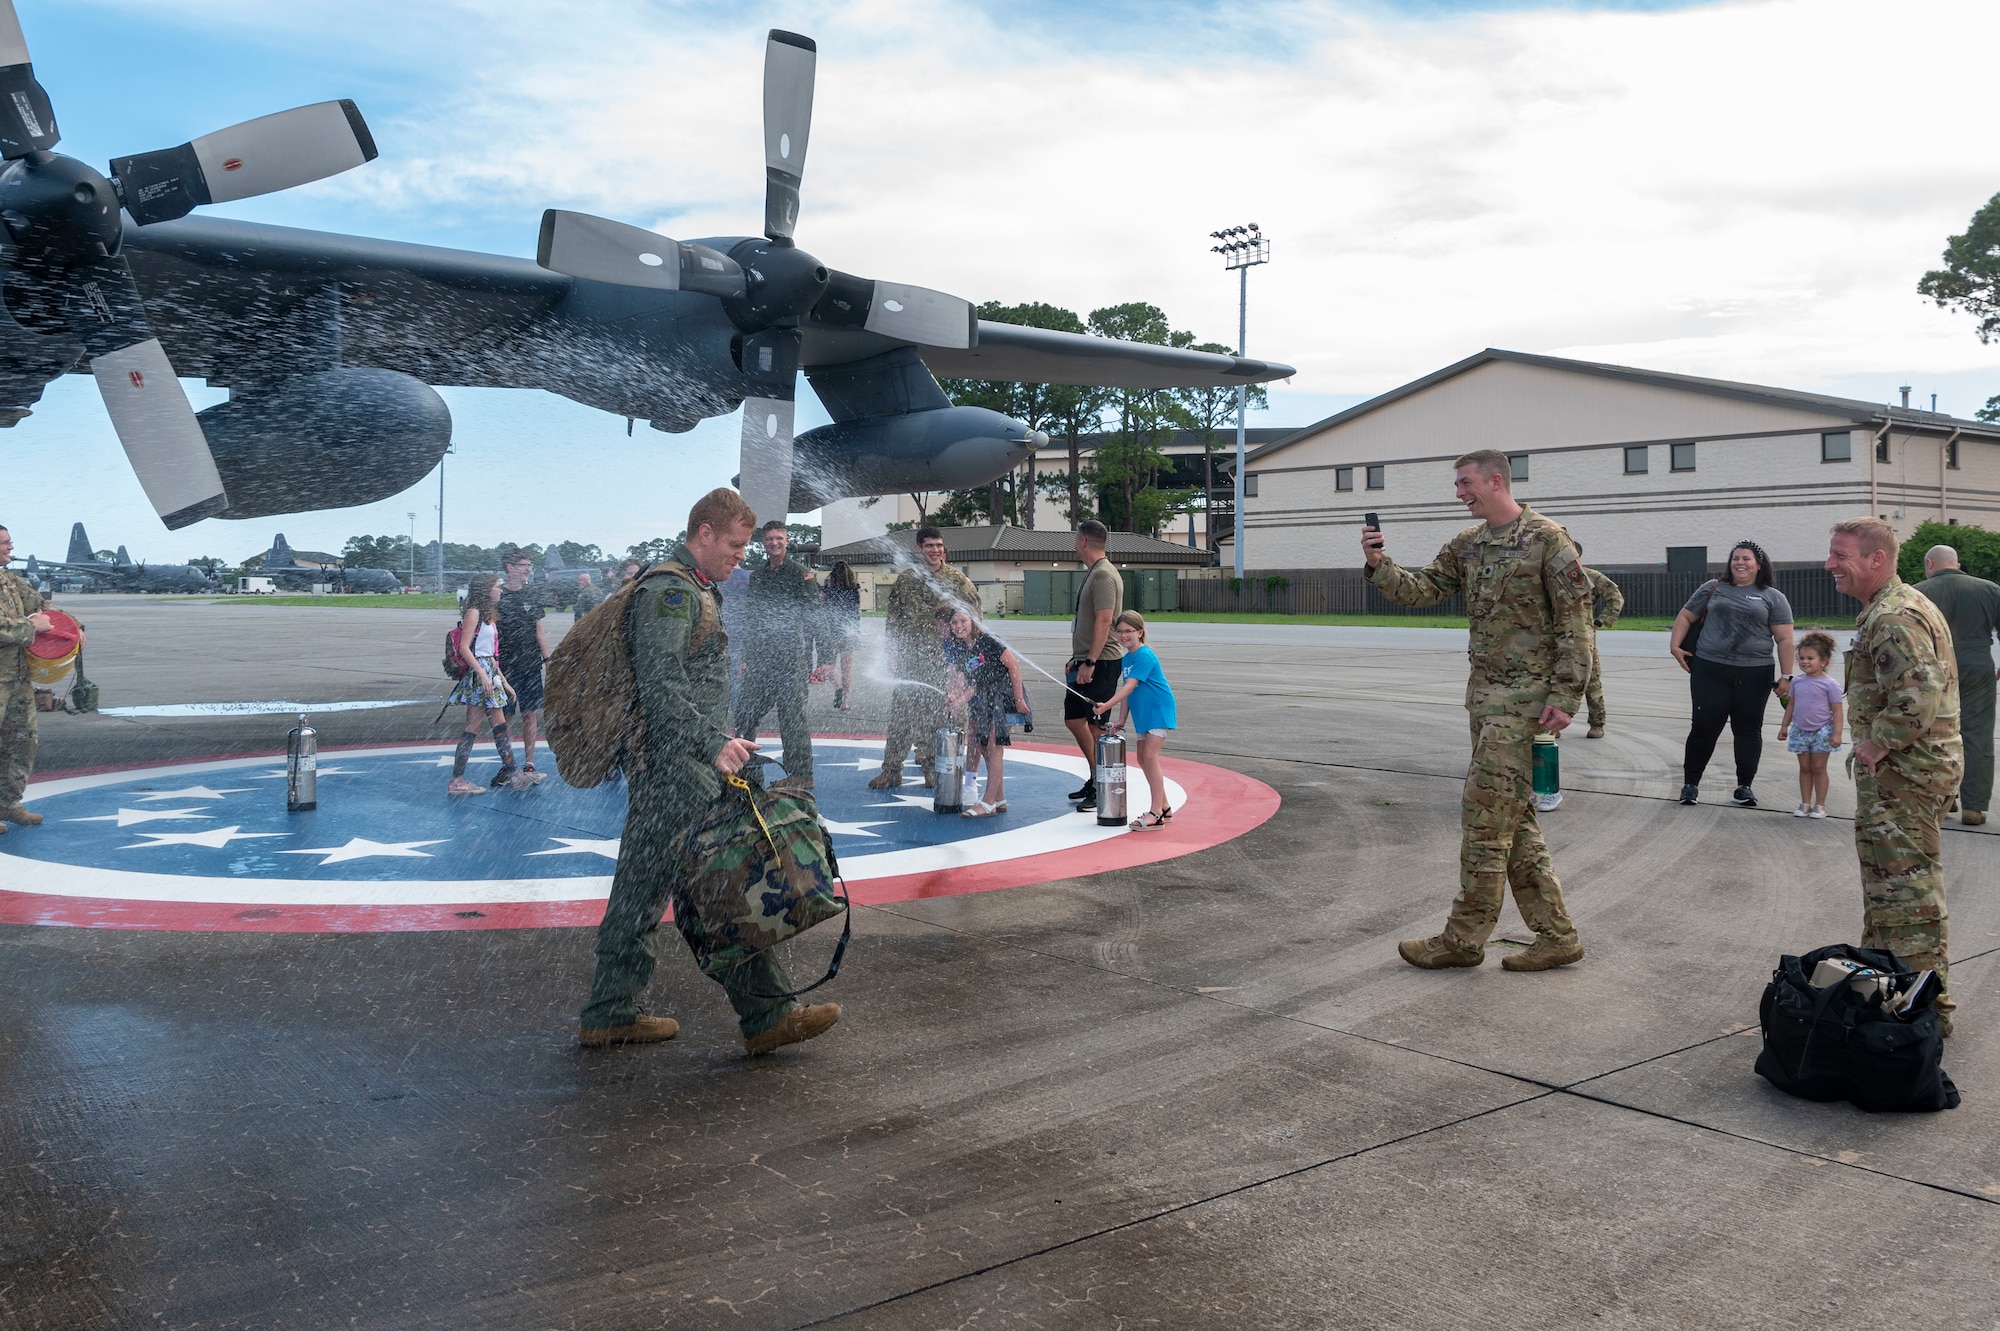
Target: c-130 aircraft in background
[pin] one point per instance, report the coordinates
(330, 345)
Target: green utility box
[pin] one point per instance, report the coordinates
(1051, 591)
(1151, 590)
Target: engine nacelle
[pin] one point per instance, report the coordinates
(949, 448)
(329, 440)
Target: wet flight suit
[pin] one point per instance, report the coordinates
(1608, 603)
(916, 646)
(17, 691)
(1902, 692)
(780, 625)
(680, 660)
(1528, 599)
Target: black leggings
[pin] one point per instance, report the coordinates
(1729, 694)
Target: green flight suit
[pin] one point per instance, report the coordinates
(17, 691)
(1972, 607)
(780, 624)
(916, 650)
(1902, 692)
(1607, 603)
(1528, 597)
(683, 691)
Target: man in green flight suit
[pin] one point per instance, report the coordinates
(1902, 700)
(1528, 599)
(680, 663)
(1972, 607)
(780, 625)
(21, 618)
(1607, 602)
(916, 655)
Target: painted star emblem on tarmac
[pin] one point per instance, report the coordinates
(215, 838)
(192, 793)
(582, 846)
(281, 774)
(446, 760)
(361, 848)
(923, 801)
(127, 817)
(851, 829)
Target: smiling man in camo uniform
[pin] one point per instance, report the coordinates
(1528, 599)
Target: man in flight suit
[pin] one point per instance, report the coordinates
(780, 625)
(1972, 607)
(21, 618)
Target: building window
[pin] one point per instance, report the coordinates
(1638, 459)
(1517, 466)
(1249, 485)
(1882, 447)
(1343, 478)
(1683, 457)
(1836, 446)
(1951, 455)
(1377, 477)
(1688, 559)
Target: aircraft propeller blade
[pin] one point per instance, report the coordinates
(261, 156)
(895, 309)
(771, 363)
(27, 117)
(580, 245)
(789, 65)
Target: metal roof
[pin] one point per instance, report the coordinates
(1852, 408)
(1008, 544)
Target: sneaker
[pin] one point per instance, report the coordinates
(1544, 803)
(1083, 789)
(1088, 803)
(503, 777)
(1803, 811)
(460, 786)
(801, 1023)
(1818, 811)
(1744, 797)
(1690, 794)
(529, 776)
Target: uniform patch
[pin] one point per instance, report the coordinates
(674, 605)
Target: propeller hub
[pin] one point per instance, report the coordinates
(783, 282)
(60, 207)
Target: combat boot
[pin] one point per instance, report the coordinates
(930, 777)
(1440, 953)
(801, 1023)
(1596, 730)
(885, 781)
(790, 782)
(1972, 817)
(17, 814)
(1545, 955)
(642, 1030)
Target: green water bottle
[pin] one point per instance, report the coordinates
(1548, 766)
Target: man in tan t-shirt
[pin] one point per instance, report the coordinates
(1095, 658)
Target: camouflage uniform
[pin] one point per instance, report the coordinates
(1972, 607)
(1528, 598)
(781, 621)
(684, 692)
(1902, 692)
(1607, 603)
(588, 597)
(917, 653)
(17, 691)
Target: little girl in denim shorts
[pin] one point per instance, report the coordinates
(1814, 720)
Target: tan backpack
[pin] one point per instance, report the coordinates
(591, 716)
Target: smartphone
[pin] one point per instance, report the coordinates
(1369, 520)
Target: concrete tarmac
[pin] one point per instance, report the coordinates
(1201, 1093)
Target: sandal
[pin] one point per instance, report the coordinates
(989, 809)
(1146, 822)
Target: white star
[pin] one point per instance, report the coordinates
(361, 848)
(281, 774)
(923, 801)
(582, 846)
(863, 765)
(446, 760)
(192, 793)
(215, 838)
(127, 817)
(852, 829)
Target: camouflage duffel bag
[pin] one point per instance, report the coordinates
(757, 870)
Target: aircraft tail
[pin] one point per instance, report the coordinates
(80, 551)
(552, 561)
(123, 560)
(280, 554)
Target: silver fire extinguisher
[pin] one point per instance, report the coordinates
(949, 764)
(1111, 779)
(301, 768)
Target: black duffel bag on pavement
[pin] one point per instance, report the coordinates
(1839, 1043)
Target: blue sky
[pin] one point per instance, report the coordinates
(1688, 187)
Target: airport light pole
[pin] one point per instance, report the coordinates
(1242, 248)
(413, 547)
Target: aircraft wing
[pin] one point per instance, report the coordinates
(1020, 354)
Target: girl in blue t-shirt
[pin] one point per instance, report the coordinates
(1149, 702)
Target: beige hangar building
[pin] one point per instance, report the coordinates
(1645, 469)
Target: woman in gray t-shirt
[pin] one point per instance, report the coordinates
(1743, 617)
